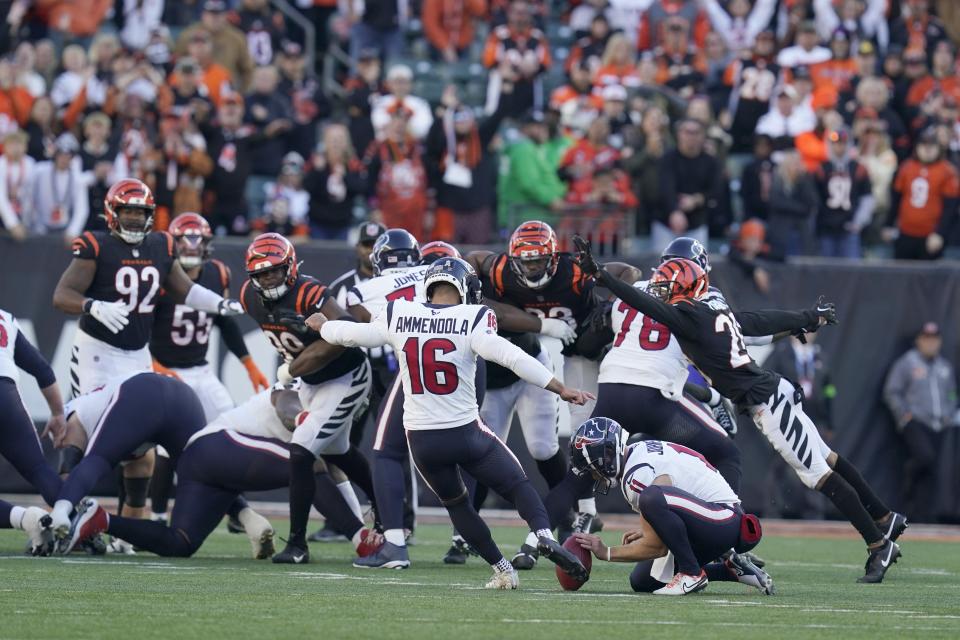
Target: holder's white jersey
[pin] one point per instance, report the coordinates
(644, 352)
(687, 469)
(8, 344)
(403, 283)
(437, 346)
(255, 417)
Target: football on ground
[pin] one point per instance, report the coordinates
(569, 583)
(223, 593)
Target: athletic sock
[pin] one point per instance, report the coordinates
(350, 496)
(719, 572)
(357, 468)
(845, 498)
(544, 533)
(62, 508)
(587, 505)
(395, 537)
(330, 502)
(302, 490)
(15, 517)
(870, 501)
(553, 468)
(502, 566)
(532, 540)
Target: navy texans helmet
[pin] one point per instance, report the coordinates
(395, 248)
(459, 274)
(689, 248)
(597, 448)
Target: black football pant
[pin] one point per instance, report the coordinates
(20, 446)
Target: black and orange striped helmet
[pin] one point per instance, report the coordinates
(433, 251)
(533, 253)
(268, 254)
(129, 193)
(192, 235)
(678, 279)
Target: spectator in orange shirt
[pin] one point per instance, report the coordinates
(576, 101)
(15, 101)
(924, 202)
(73, 20)
(215, 77)
(448, 25)
(837, 71)
(942, 78)
(603, 200)
(619, 65)
(654, 21)
(591, 151)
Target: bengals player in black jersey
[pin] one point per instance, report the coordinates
(334, 381)
(181, 337)
(113, 283)
(711, 336)
(534, 276)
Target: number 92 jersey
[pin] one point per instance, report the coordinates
(305, 297)
(133, 274)
(569, 295)
(181, 334)
(644, 352)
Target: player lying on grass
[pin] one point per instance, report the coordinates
(689, 514)
(440, 341)
(710, 336)
(245, 449)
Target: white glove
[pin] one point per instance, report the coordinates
(283, 374)
(229, 307)
(558, 329)
(112, 315)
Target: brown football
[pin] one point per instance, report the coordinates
(566, 581)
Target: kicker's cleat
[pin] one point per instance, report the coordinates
(260, 533)
(583, 522)
(683, 584)
(750, 574)
(879, 560)
(89, 520)
(293, 553)
(389, 556)
(568, 563)
(327, 534)
(526, 558)
(755, 559)
(36, 523)
(504, 580)
(370, 543)
(458, 552)
(895, 527)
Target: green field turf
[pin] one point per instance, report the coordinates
(222, 593)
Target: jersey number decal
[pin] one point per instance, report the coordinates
(185, 329)
(919, 193)
(438, 377)
(406, 293)
(128, 283)
(286, 343)
(838, 192)
(654, 336)
(679, 448)
(560, 313)
(738, 351)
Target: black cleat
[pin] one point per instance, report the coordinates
(750, 556)
(749, 573)
(568, 563)
(234, 525)
(293, 553)
(895, 527)
(458, 552)
(879, 560)
(526, 558)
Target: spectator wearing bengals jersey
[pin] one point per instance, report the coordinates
(917, 27)
(618, 65)
(846, 202)
(681, 66)
(579, 88)
(656, 18)
(589, 49)
(517, 53)
(924, 202)
(941, 79)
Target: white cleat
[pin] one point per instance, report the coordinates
(683, 584)
(59, 525)
(121, 547)
(36, 523)
(260, 533)
(504, 580)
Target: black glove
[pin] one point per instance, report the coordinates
(584, 256)
(295, 322)
(822, 309)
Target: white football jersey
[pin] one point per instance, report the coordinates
(644, 352)
(688, 470)
(9, 329)
(404, 283)
(91, 406)
(255, 417)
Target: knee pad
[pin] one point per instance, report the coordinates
(136, 490)
(541, 450)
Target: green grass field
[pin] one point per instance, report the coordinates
(222, 593)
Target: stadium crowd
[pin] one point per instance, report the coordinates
(787, 127)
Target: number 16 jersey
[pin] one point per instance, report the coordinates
(132, 274)
(644, 352)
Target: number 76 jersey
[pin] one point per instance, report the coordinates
(644, 352)
(132, 274)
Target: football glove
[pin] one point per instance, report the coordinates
(826, 310)
(558, 329)
(257, 379)
(112, 315)
(283, 374)
(292, 321)
(585, 256)
(229, 307)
